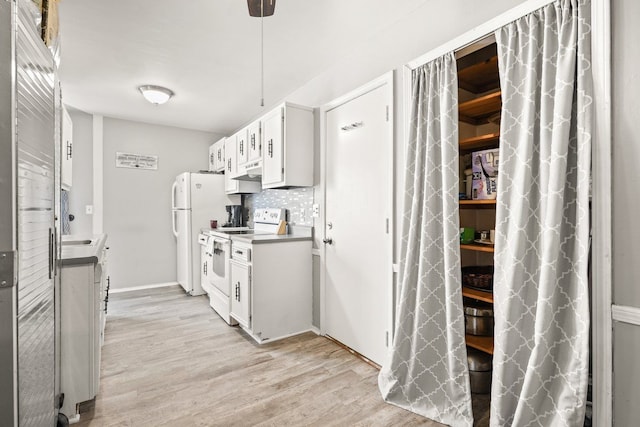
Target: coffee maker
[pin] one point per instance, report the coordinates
(235, 217)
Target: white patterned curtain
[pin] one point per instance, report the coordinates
(542, 220)
(426, 371)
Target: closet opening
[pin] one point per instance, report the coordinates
(479, 105)
(479, 114)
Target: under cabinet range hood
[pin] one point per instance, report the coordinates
(252, 171)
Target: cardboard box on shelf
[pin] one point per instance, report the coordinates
(484, 165)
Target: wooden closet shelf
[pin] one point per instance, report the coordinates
(478, 110)
(482, 141)
(480, 343)
(477, 204)
(480, 77)
(477, 295)
(477, 248)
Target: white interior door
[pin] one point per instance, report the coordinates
(358, 220)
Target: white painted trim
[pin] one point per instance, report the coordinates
(315, 330)
(316, 252)
(142, 287)
(385, 79)
(480, 31)
(625, 314)
(601, 252)
(98, 174)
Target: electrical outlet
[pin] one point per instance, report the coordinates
(88, 209)
(316, 210)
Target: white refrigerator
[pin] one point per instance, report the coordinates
(196, 199)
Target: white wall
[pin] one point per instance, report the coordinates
(81, 193)
(429, 26)
(137, 203)
(626, 206)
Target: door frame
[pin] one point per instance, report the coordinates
(388, 80)
(601, 293)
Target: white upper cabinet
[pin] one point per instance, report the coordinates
(66, 175)
(216, 156)
(212, 157)
(234, 186)
(241, 147)
(287, 154)
(255, 142)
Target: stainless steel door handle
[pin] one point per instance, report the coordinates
(328, 241)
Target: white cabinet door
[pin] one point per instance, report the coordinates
(272, 156)
(212, 157)
(241, 146)
(240, 293)
(219, 155)
(255, 142)
(67, 150)
(230, 185)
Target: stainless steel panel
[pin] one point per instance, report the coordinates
(8, 347)
(35, 219)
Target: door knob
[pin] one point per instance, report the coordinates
(328, 241)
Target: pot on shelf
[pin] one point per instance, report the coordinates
(480, 367)
(478, 318)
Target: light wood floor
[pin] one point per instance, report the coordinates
(168, 359)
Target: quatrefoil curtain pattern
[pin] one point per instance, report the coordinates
(426, 370)
(541, 292)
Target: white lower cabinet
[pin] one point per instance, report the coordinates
(241, 293)
(271, 296)
(83, 299)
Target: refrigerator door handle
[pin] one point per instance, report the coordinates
(173, 222)
(173, 195)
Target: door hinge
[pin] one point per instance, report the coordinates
(386, 339)
(387, 225)
(387, 107)
(7, 269)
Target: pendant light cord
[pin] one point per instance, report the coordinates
(262, 53)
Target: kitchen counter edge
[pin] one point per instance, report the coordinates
(82, 254)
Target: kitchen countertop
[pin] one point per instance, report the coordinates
(269, 238)
(79, 254)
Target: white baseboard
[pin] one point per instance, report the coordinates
(621, 313)
(315, 330)
(143, 287)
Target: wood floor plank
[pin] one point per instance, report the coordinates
(168, 359)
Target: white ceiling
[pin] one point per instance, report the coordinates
(207, 52)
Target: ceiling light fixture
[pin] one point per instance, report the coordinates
(260, 9)
(156, 95)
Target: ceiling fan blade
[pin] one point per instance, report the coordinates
(255, 7)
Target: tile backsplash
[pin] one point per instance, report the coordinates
(297, 201)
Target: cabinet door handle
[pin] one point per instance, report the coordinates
(241, 147)
(219, 155)
(270, 148)
(229, 163)
(253, 141)
(238, 291)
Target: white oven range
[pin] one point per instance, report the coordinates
(216, 253)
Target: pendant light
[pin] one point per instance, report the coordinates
(260, 9)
